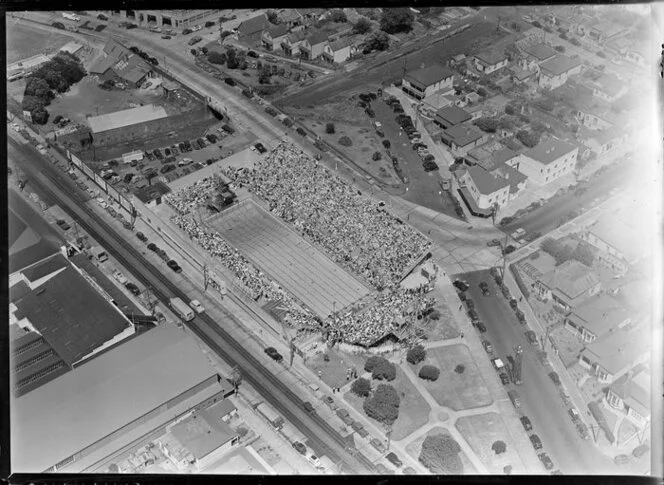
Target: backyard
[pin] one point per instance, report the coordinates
(414, 448)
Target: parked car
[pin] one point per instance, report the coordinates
(359, 429)
(546, 461)
(461, 285)
(409, 471)
(165, 37)
(141, 236)
(167, 168)
(300, 448)
(133, 288)
(480, 326)
(314, 460)
(260, 147)
(487, 346)
(484, 286)
(308, 407)
(274, 354)
(394, 459)
(504, 378)
(120, 277)
(535, 440)
(329, 401)
(152, 247)
(174, 266)
(532, 338)
(493, 242)
(525, 421)
(378, 445)
(196, 305)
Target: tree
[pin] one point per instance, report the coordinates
(272, 17)
(362, 26)
(32, 103)
(499, 447)
(376, 156)
(225, 34)
(385, 370)
(40, 116)
(55, 81)
(194, 52)
(345, 141)
(575, 41)
(386, 144)
(205, 50)
(429, 372)
(481, 92)
(383, 404)
(560, 48)
(338, 15)
(215, 57)
(440, 454)
(361, 387)
(460, 369)
(232, 58)
(395, 20)
(329, 128)
(379, 41)
(264, 75)
(490, 125)
(527, 138)
(39, 88)
(583, 253)
(416, 355)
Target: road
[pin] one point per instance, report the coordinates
(61, 189)
(548, 217)
(540, 398)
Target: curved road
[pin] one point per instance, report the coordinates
(44, 177)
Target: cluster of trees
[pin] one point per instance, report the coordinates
(383, 404)
(215, 57)
(379, 41)
(490, 125)
(380, 368)
(562, 252)
(338, 15)
(429, 372)
(329, 128)
(528, 138)
(362, 26)
(144, 56)
(264, 75)
(440, 454)
(416, 355)
(57, 75)
(235, 59)
(396, 20)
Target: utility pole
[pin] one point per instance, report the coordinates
(504, 247)
(205, 275)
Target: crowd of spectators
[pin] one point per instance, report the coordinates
(326, 209)
(330, 212)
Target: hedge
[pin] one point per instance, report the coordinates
(601, 421)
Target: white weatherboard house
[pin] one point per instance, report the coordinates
(548, 161)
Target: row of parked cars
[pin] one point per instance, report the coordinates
(160, 252)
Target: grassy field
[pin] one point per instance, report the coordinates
(481, 431)
(452, 390)
(414, 449)
(413, 410)
(445, 327)
(24, 41)
(333, 373)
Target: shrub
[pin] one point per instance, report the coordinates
(459, 369)
(40, 116)
(527, 138)
(481, 92)
(362, 26)
(361, 387)
(209, 23)
(230, 81)
(385, 370)
(440, 454)
(395, 20)
(387, 144)
(509, 109)
(490, 125)
(429, 372)
(338, 15)
(575, 42)
(58, 25)
(416, 355)
(499, 447)
(345, 141)
(57, 119)
(370, 113)
(383, 404)
(560, 48)
(215, 57)
(376, 156)
(329, 128)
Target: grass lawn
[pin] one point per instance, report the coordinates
(445, 327)
(625, 431)
(26, 41)
(413, 410)
(452, 390)
(333, 373)
(480, 432)
(415, 447)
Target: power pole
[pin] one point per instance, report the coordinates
(205, 275)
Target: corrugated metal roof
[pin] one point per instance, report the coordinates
(81, 407)
(126, 117)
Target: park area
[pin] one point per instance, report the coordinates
(454, 390)
(414, 448)
(481, 431)
(333, 371)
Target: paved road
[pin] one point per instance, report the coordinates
(540, 399)
(547, 217)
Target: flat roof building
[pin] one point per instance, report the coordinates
(127, 117)
(65, 423)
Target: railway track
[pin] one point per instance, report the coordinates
(276, 392)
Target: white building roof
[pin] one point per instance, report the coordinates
(126, 117)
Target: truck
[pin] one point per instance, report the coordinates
(99, 254)
(71, 16)
(271, 415)
(497, 364)
(182, 309)
(514, 397)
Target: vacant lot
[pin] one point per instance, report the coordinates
(413, 410)
(445, 327)
(414, 448)
(23, 41)
(453, 390)
(481, 431)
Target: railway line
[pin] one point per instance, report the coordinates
(44, 178)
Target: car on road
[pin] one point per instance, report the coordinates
(383, 470)
(153, 247)
(196, 305)
(526, 18)
(493, 242)
(167, 168)
(300, 448)
(120, 277)
(409, 471)
(546, 461)
(359, 429)
(394, 459)
(329, 401)
(487, 346)
(133, 288)
(378, 445)
(461, 285)
(195, 40)
(532, 338)
(314, 460)
(519, 233)
(480, 326)
(166, 37)
(308, 407)
(274, 354)
(525, 421)
(260, 147)
(535, 440)
(509, 249)
(504, 378)
(270, 59)
(174, 266)
(484, 286)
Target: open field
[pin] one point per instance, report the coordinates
(413, 409)
(300, 268)
(414, 448)
(481, 431)
(333, 373)
(445, 327)
(23, 41)
(452, 390)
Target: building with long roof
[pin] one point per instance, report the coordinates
(167, 19)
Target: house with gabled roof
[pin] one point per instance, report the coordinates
(606, 31)
(608, 87)
(490, 61)
(601, 142)
(538, 53)
(121, 64)
(568, 285)
(292, 43)
(272, 38)
(630, 394)
(549, 160)
(596, 317)
(314, 46)
(339, 51)
(250, 31)
(556, 71)
(463, 137)
(450, 116)
(290, 17)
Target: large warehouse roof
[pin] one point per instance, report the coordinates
(126, 117)
(83, 406)
(71, 315)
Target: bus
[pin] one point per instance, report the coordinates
(182, 309)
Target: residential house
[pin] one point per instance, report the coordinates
(311, 15)
(480, 190)
(549, 160)
(121, 64)
(314, 46)
(536, 54)
(609, 357)
(491, 155)
(291, 18)
(555, 72)
(608, 87)
(272, 38)
(522, 76)
(516, 179)
(630, 394)
(431, 104)
(597, 317)
(291, 44)
(462, 138)
(619, 46)
(568, 285)
(456, 60)
(491, 61)
(606, 31)
(338, 51)
(599, 116)
(638, 55)
(451, 116)
(424, 82)
(601, 142)
(250, 31)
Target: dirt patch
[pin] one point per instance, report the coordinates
(333, 372)
(453, 390)
(414, 448)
